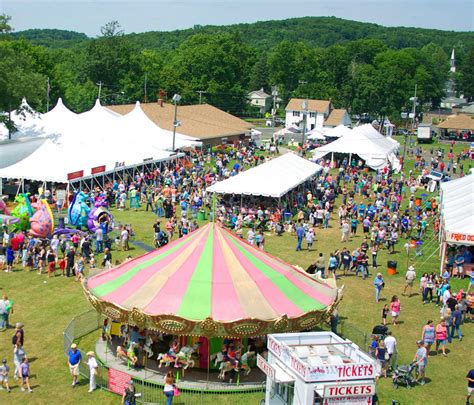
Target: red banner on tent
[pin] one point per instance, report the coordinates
(98, 169)
(75, 175)
(118, 381)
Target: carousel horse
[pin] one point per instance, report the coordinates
(100, 215)
(244, 361)
(42, 221)
(225, 368)
(147, 346)
(183, 357)
(78, 212)
(127, 355)
(218, 359)
(23, 211)
(3, 207)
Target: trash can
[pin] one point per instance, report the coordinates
(391, 267)
(201, 216)
(417, 201)
(287, 216)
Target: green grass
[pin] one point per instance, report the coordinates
(45, 306)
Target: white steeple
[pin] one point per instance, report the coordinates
(452, 62)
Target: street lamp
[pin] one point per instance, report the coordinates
(176, 99)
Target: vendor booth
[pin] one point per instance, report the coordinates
(317, 368)
(457, 223)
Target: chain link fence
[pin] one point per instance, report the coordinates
(150, 392)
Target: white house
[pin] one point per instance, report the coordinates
(259, 98)
(319, 114)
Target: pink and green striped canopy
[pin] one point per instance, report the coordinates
(211, 282)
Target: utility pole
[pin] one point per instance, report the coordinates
(201, 92)
(305, 113)
(414, 99)
(100, 88)
(146, 77)
(275, 95)
(48, 88)
(176, 123)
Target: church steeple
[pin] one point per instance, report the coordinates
(452, 62)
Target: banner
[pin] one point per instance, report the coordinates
(75, 175)
(98, 169)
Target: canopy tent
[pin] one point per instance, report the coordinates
(337, 132)
(316, 135)
(211, 283)
(458, 122)
(366, 142)
(25, 120)
(457, 210)
(287, 131)
(274, 178)
(14, 150)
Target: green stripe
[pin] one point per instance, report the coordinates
(287, 288)
(112, 285)
(196, 302)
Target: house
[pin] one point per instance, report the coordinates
(319, 114)
(260, 99)
(205, 122)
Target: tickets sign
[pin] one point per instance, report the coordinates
(263, 365)
(349, 390)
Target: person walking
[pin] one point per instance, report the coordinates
(93, 370)
(379, 285)
(25, 375)
(18, 356)
(391, 345)
(456, 321)
(420, 359)
(395, 307)
(470, 385)
(169, 387)
(382, 356)
(299, 234)
(4, 371)
(6, 308)
(128, 397)
(70, 256)
(428, 336)
(441, 333)
(410, 278)
(320, 265)
(74, 360)
(344, 231)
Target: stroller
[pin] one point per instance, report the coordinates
(161, 239)
(403, 375)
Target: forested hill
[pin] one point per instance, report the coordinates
(315, 31)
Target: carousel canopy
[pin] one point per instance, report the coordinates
(211, 283)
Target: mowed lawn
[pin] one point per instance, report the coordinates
(45, 306)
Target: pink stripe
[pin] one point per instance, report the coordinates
(130, 287)
(112, 274)
(288, 272)
(278, 301)
(223, 289)
(169, 297)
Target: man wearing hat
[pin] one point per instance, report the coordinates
(93, 370)
(410, 278)
(74, 360)
(420, 359)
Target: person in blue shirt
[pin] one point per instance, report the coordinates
(299, 234)
(74, 360)
(378, 284)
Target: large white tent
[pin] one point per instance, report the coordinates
(337, 132)
(274, 178)
(457, 210)
(366, 142)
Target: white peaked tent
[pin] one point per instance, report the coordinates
(274, 178)
(315, 135)
(337, 132)
(366, 142)
(457, 210)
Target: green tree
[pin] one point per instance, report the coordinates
(466, 73)
(5, 27)
(259, 74)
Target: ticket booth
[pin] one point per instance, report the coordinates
(317, 368)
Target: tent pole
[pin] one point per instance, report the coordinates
(1, 186)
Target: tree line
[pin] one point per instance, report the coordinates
(363, 73)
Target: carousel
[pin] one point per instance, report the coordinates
(203, 305)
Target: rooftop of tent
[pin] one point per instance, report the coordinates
(460, 122)
(202, 121)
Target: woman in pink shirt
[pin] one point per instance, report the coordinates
(441, 333)
(395, 307)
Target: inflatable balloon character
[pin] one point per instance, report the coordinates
(100, 216)
(78, 212)
(23, 211)
(42, 221)
(3, 207)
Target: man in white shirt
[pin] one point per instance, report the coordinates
(410, 278)
(251, 236)
(391, 346)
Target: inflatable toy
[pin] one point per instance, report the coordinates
(42, 221)
(100, 216)
(78, 212)
(3, 208)
(8, 220)
(23, 211)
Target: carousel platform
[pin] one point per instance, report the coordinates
(193, 379)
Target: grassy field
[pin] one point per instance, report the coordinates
(45, 306)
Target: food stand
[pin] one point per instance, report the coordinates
(317, 368)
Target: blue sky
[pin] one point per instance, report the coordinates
(147, 15)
